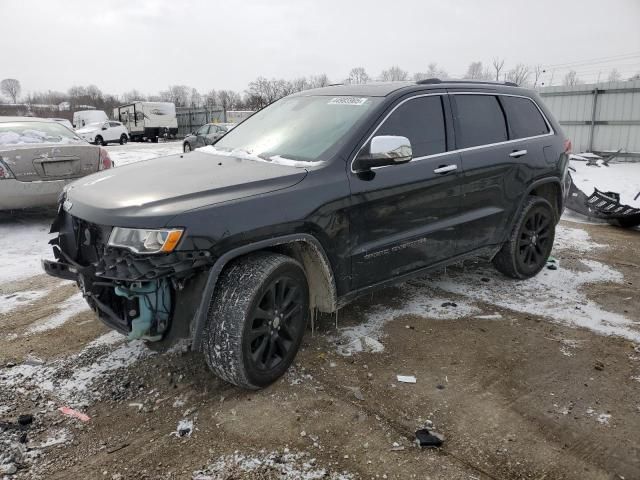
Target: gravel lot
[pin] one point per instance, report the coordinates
(535, 379)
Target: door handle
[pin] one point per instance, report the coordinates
(445, 169)
(518, 153)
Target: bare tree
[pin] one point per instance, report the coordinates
(132, 96)
(394, 74)
(358, 75)
(95, 95)
(498, 64)
(299, 84)
(177, 94)
(228, 99)
(519, 74)
(11, 88)
(195, 99)
(614, 76)
(571, 79)
(317, 81)
(432, 72)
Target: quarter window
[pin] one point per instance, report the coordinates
(421, 120)
(480, 120)
(525, 120)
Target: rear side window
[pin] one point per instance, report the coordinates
(525, 120)
(114, 124)
(480, 120)
(421, 120)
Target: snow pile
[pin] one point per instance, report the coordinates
(71, 379)
(622, 178)
(416, 300)
(33, 136)
(72, 306)
(285, 466)
(574, 239)
(243, 154)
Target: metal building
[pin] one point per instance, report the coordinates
(600, 118)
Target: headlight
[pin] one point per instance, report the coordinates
(145, 241)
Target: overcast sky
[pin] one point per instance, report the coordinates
(148, 45)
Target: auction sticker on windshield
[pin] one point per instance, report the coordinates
(347, 101)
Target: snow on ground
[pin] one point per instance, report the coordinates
(622, 178)
(286, 465)
(554, 294)
(68, 309)
(70, 379)
(23, 242)
(423, 301)
(12, 301)
(135, 152)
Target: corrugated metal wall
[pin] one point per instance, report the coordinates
(613, 124)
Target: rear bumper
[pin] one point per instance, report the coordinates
(15, 194)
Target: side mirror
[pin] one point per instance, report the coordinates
(104, 127)
(382, 151)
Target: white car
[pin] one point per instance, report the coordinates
(102, 133)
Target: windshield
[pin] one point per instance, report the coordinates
(297, 128)
(16, 133)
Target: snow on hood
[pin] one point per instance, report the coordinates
(31, 136)
(276, 159)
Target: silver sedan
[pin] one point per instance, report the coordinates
(38, 157)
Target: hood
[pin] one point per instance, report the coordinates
(87, 130)
(150, 193)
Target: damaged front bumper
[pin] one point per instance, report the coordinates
(140, 295)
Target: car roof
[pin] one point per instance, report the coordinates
(24, 119)
(383, 89)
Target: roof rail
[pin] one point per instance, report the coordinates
(431, 81)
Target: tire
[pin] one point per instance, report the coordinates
(249, 341)
(99, 141)
(529, 246)
(123, 139)
(186, 148)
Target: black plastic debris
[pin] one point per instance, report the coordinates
(449, 304)
(25, 419)
(428, 439)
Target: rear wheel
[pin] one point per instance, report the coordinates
(256, 319)
(123, 139)
(527, 250)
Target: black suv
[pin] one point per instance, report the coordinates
(317, 198)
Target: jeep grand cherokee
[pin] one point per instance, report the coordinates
(319, 197)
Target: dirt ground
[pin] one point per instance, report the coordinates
(516, 394)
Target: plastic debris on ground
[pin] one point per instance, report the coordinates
(426, 438)
(74, 413)
(406, 378)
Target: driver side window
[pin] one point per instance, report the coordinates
(421, 120)
(203, 130)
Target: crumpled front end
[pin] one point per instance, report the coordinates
(140, 295)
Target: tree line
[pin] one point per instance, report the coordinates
(262, 91)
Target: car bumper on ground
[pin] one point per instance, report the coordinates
(15, 194)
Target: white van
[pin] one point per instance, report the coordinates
(82, 118)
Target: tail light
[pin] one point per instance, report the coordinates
(5, 173)
(567, 146)
(105, 160)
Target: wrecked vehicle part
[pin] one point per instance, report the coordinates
(604, 206)
(132, 293)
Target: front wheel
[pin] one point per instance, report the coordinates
(527, 250)
(99, 141)
(186, 147)
(256, 319)
(123, 139)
